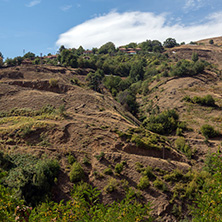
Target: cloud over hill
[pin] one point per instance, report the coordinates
(136, 26)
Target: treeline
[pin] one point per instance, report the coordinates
(69, 57)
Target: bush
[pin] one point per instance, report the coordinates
(32, 178)
(53, 82)
(139, 167)
(47, 171)
(208, 203)
(207, 100)
(143, 183)
(128, 99)
(174, 176)
(180, 144)
(111, 186)
(108, 171)
(119, 168)
(208, 131)
(148, 172)
(100, 156)
(76, 173)
(187, 68)
(163, 123)
(71, 159)
(159, 184)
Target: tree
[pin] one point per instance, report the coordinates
(80, 50)
(1, 55)
(131, 45)
(68, 58)
(195, 57)
(151, 46)
(109, 47)
(1, 59)
(170, 43)
(112, 83)
(157, 46)
(62, 47)
(211, 41)
(128, 100)
(137, 71)
(29, 55)
(95, 79)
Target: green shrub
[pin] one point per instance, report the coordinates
(208, 131)
(187, 68)
(119, 168)
(174, 176)
(163, 123)
(76, 173)
(207, 100)
(139, 167)
(159, 184)
(86, 160)
(46, 173)
(213, 163)
(108, 171)
(85, 206)
(187, 99)
(8, 204)
(208, 203)
(32, 178)
(100, 156)
(53, 82)
(111, 186)
(148, 171)
(75, 81)
(143, 183)
(180, 144)
(71, 159)
(179, 132)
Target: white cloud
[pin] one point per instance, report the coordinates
(66, 7)
(193, 5)
(33, 3)
(136, 27)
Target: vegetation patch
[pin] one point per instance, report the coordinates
(143, 138)
(208, 131)
(77, 173)
(163, 123)
(111, 185)
(159, 184)
(207, 100)
(143, 183)
(181, 145)
(31, 177)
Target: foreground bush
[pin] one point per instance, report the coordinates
(31, 178)
(85, 206)
(208, 204)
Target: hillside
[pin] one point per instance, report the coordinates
(50, 112)
(206, 51)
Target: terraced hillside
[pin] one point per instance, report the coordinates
(50, 113)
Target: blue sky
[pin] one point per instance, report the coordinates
(41, 26)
